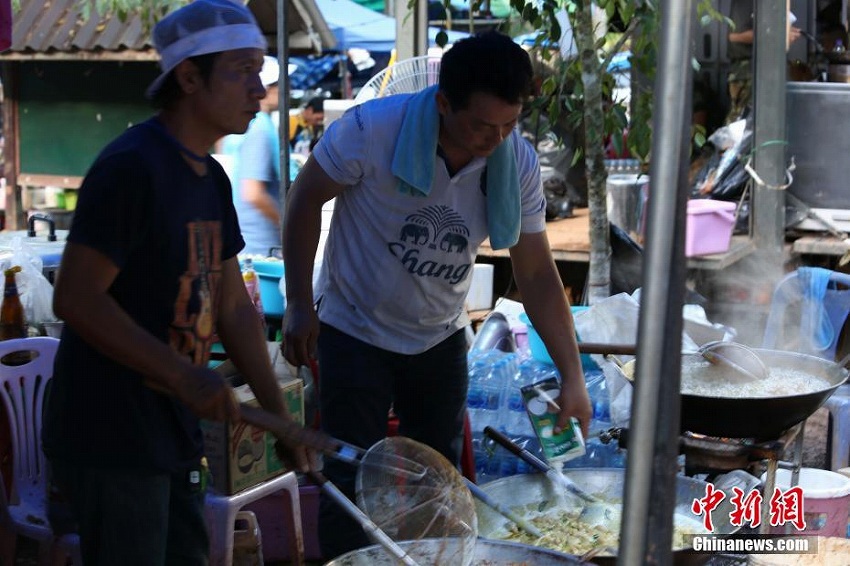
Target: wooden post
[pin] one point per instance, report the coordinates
(15, 217)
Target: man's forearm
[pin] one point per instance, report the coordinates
(547, 307)
(300, 242)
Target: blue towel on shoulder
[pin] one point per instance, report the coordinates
(413, 164)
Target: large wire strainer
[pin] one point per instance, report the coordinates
(412, 507)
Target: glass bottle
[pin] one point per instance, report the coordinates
(252, 285)
(12, 321)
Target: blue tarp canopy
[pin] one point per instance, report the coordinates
(356, 26)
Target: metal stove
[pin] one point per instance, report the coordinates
(711, 455)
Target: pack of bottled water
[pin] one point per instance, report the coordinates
(495, 399)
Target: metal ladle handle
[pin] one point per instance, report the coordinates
(362, 519)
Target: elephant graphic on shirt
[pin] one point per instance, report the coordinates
(452, 242)
(419, 234)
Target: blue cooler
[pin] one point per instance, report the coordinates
(269, 274)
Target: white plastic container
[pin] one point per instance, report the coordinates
(480, 295)
(826, 500)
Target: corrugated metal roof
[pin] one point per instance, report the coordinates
(56, 29)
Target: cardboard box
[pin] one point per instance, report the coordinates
(242, 456)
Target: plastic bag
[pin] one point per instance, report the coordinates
(35, 290)
(613, 320)
(723, 176)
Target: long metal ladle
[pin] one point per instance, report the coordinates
(594, 511)
(729, 354)
(741, 359)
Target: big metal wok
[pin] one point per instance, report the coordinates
(762, 417)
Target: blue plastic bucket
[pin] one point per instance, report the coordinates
(538, 348)
(269, 273)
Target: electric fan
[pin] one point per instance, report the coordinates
(409, 75)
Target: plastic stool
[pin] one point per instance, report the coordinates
(839, 414)
(221, 510)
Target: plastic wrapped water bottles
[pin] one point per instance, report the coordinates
(489, 374)
(517, 425)
(599, 455)
(485, 389)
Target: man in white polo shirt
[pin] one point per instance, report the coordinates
(420, 182)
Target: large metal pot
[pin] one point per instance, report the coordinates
(762, 417)
(431, 552)
(537, 491)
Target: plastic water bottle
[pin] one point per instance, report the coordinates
(488, 458)
(475, 397)
(488, 375)
(486, 381)
(492, 387)
(597, 390)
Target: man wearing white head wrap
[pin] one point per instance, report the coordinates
(149, 280)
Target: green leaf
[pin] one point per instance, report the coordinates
(554, 109)
(699, 136)
(556, 30)
(578, 155)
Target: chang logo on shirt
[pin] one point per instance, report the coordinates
(428, 239)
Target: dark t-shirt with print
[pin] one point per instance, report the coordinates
(168, 230)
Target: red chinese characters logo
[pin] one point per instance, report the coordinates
(784, 507)
(787, 508)
(705, 505)
(747, 508)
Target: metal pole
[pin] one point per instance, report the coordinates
(769, 141)
(283, 104)
(411, 28)
(650, 494)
